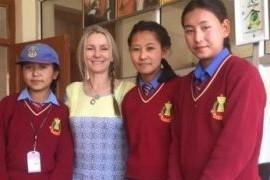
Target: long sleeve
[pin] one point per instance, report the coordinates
(3, 116)
(174, 167)
(239, 142)
(64, 155)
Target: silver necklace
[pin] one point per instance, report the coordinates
(94, 98)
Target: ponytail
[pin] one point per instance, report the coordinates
(137, 78)
(167, 72)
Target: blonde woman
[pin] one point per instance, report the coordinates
(100, 147)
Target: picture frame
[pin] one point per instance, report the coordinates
(98, 11)
(165, 2)
(130, 7)
(251, 21)
(148, 4)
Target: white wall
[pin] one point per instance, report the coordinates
(28, 17)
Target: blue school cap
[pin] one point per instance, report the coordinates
(38, 53)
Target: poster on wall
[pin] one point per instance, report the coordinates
(129, 7)
(251, 21)
(97, 11)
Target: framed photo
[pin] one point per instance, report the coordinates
(129, 7)
(148, 4)
(97, 11)
(125, 7)
(251, 21)
(164, 2)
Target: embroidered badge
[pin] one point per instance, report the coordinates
(218, 107)
(56, 127)
(165, 114)
(32, 52)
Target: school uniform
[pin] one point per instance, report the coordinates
(21, 120)
(218, 126)
(264, 158)
(147, 126)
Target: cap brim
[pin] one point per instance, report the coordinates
(33, 61)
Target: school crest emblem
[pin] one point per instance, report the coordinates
(32, 52)
(218, 107)
(55, 127)
(166, 112)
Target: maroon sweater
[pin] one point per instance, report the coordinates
(16, 139)
(148, 132)
(212, 144)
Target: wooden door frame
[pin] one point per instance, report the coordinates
(10, 5)
(10, 39)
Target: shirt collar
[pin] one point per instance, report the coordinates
(201, 73)
(25, 95)
(154, 81)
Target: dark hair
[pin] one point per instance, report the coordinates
(163, 38)
(53, 85)
(159, 31)
(217, 7)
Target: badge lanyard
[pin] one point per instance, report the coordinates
(33, 157)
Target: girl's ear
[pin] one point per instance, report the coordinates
(226, 27)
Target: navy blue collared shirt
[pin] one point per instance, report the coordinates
(25, 95)
(203, 74)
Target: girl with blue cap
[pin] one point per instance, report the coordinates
(35, 140)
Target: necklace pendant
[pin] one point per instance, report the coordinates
(93, 101)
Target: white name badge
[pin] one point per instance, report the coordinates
(33, 162)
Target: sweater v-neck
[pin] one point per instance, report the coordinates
(147, 99)
(208, 83)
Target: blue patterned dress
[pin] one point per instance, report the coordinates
(99, 140)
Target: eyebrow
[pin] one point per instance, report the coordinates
(147, 44)
(93, 45)
(200, 23)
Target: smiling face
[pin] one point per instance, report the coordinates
(38, 77)
(205, 34)
(146, 54)
(97, 53)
